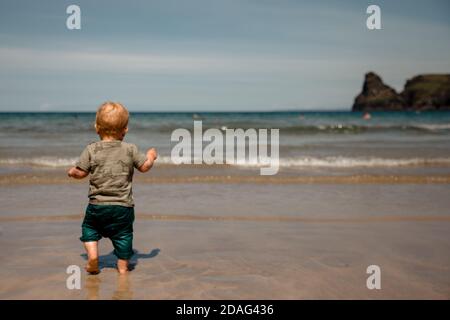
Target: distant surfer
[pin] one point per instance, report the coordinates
(366, 116)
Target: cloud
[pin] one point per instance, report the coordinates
(25, 59)
(261, 70)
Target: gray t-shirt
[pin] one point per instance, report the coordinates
(111, 165)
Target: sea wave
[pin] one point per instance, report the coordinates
(348, 162)
(290, 162)
(432, 126)
(307, 128)
(335, 128)
(40, 161)
(356, 128)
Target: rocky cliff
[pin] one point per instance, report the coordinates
(423, 92)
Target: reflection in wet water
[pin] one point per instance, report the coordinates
(123, 288)
(92, 286)
(122, 291)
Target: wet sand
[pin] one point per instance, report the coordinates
(169, 174)
(234, 260)
(245, 240)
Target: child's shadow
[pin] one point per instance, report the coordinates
(110, 260)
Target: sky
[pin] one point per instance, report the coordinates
(210, 55)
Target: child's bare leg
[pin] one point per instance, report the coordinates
(92, 252)
(122, 266)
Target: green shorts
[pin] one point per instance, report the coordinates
(113, 222)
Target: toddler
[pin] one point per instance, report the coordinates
(110, 163)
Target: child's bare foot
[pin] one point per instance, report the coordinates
(92, 266)
(122, 266)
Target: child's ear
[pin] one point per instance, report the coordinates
(96, 129)
(125, 130)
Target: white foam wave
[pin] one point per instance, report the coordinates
(340, 162)
(330, 162)
(346, 162)
(433, 126)
(40, 161)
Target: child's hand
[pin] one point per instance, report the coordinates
(152, 154)
(151, 157)
(76, 173)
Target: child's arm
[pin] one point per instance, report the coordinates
(148, 164)
(77, 173)
(82, 166)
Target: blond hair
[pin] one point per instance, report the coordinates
(111, 119)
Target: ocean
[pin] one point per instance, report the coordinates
(309, 141)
